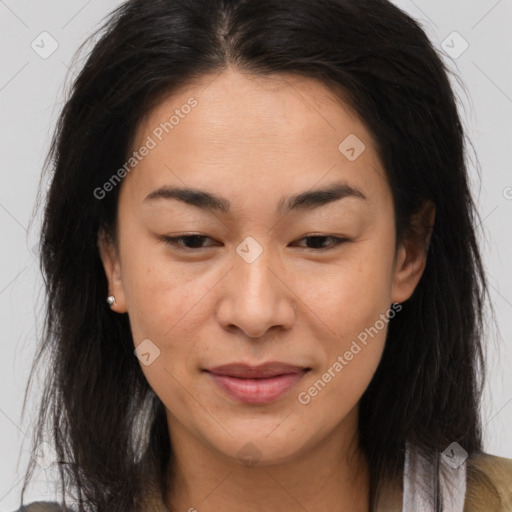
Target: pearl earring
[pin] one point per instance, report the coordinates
(110, 300)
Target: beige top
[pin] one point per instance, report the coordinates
(487, 487)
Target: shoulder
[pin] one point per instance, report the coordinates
(43, 506)
(488, 484)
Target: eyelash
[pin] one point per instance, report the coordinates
(174, 241)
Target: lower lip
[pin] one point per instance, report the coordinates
(257, 391)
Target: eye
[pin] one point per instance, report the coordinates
(187, 241)
(318, 242)
(194, 242)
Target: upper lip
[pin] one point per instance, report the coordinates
(262, 371)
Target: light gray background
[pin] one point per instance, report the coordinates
(31, 95)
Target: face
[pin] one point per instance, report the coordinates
(286, 255)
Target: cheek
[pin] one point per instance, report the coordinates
(353, 302)
(162, 306)
(352, 357)
(160, 296)
(168, 307)
(351, 294)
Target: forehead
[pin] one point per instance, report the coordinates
(235, 131)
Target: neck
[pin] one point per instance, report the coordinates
(331, 475)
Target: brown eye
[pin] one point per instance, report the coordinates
(318, 242)
(187, 241)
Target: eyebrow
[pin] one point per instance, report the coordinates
(307, 200)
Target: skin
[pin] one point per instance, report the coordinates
(254, 140)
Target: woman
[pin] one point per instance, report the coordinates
(273, 200)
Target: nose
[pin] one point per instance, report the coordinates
(256, 297)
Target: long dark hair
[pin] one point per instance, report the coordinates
(427, 387)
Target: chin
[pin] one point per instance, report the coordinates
(261, 445)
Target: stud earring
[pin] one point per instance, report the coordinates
(110, 300)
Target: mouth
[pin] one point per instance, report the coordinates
(260, 384)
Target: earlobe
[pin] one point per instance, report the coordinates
(412, 254)
(112, 267)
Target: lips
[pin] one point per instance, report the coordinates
(260, 384)
(262, 371)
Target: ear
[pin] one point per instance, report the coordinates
(111, 264)
(411, 258)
